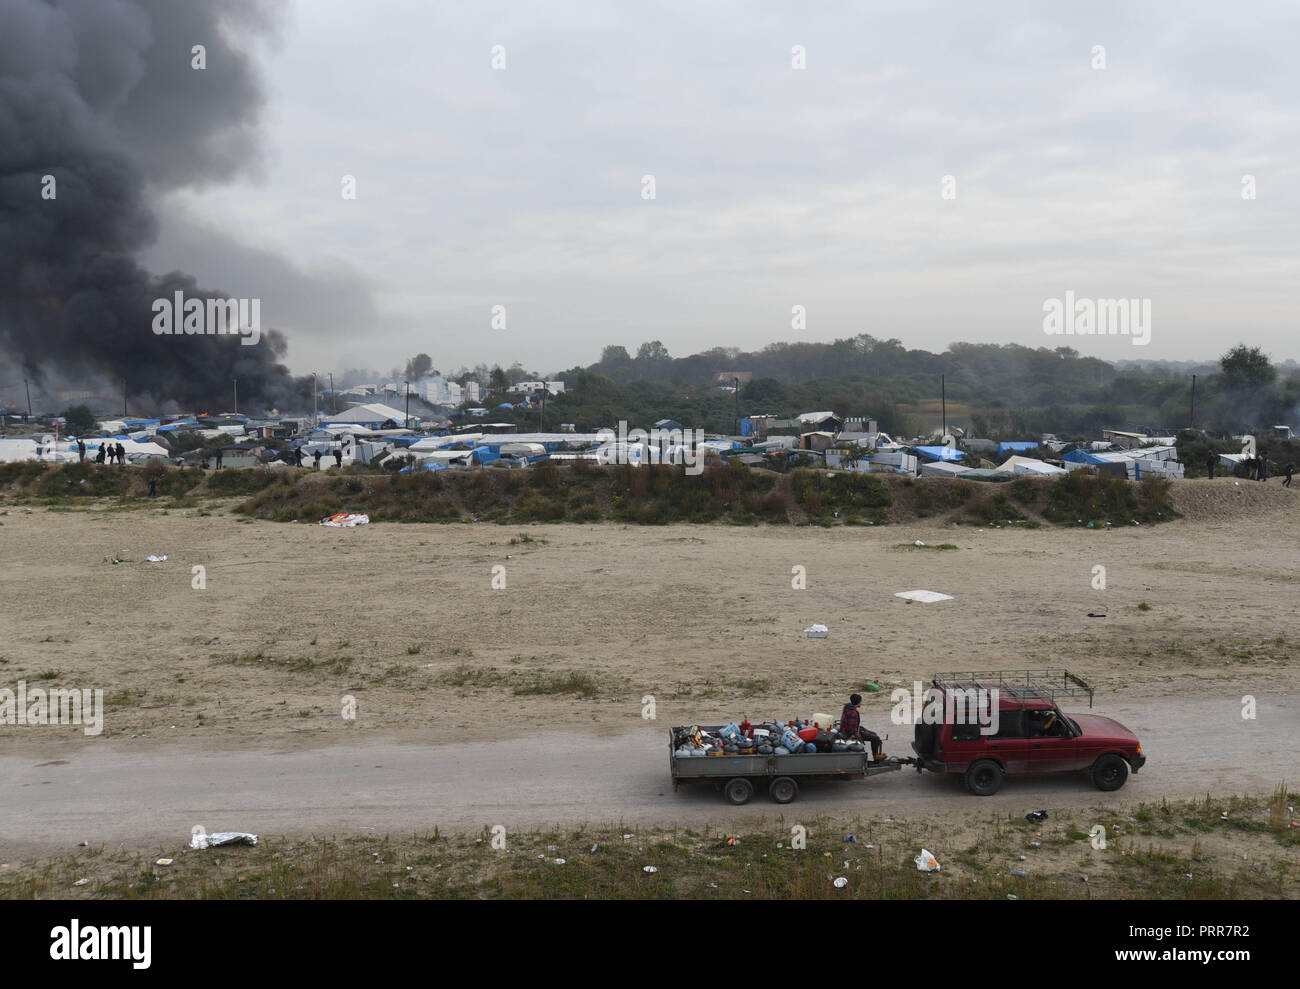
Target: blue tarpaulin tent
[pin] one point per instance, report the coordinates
(938, 453)
(1017, 447)
(1082, 457)
(427, 465)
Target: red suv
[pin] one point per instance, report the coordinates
(1032, 734)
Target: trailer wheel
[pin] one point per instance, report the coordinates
(984, 777)
(1109, 772)
(739, 791)
(783, 790)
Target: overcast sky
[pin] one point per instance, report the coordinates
(774, 186)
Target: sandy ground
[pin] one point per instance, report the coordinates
(225, 702)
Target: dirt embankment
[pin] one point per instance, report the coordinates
(1228, 500)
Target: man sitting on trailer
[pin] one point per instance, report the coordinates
(851, 727)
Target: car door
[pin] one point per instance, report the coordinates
(1009, 745)
(1054, 752)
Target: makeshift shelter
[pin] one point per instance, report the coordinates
(1016, 447)
(373, 415)
(939, 453)
(980, 474)
(1028, 465)
(938, 468)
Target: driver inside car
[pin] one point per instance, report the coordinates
(1044, 723)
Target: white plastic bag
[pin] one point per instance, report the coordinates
(926, 862)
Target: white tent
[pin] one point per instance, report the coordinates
(370, 414)
(1028, 465)
(937, 468)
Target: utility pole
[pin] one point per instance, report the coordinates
(541, 416)
(943, 402)
(29, 398)
(315, 412)
(736, 403)
(334, 402)
(236, 381)
(1193, 412)
(123, 398)
(407, 423)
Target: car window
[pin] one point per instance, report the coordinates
(1011, 724)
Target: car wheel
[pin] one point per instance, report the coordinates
(984, 777)
(783, 789)
(1109, 772)
(739, 791)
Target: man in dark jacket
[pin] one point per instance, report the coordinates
(851, 727)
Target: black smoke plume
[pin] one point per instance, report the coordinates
(102, 95)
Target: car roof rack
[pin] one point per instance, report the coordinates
(1019, 684)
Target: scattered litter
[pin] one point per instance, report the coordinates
(222, 838)
(925, 597)
(1012, 896)
(1037, 844)
(594, 847)
(1019, 872)
(163, 862)
(1096, 614)
(733, 840)
(1188, 875)
(816, 631)
(345, 520)
(559, 861)
(1036, 815)
(155, 559)
(649, 868)
(926, 862)
(841, 882)
(850, 838)
(81, 882)
(871, 688)
(918, 543)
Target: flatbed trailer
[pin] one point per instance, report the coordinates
(738, 776)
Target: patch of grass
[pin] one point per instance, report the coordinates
(576, 682)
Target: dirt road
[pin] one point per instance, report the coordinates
(150, 793)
